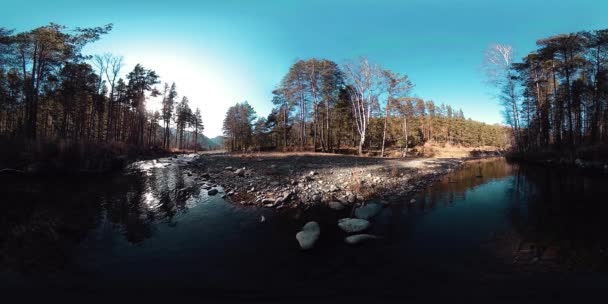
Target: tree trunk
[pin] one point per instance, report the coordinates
(384, 131)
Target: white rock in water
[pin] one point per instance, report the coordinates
(358, 238)
(309, 235)
(412, 201)
(368, 211)
(353, 224)
(336, 205)
(240, 172)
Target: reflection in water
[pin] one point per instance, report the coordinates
(41, 221)
(157, 227)
(560, 213)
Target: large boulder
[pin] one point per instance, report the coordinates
(368, 211)
(240, 172)
(308, 235)
(358, 238)
(212, 192)
(351, 225)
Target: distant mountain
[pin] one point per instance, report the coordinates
(218, 140)
(209, 143)
(204, 141)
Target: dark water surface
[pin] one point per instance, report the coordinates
(489, 229)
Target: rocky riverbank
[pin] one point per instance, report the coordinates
(300, 180)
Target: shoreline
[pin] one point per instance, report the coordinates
(597, 166)
(301, 180)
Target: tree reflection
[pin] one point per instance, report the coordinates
(42, 222)
(562, 209)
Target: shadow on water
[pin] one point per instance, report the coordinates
(158, 228)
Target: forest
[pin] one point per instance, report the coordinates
(51, 93)
(555, 101)
(322, 107)
(555, 98)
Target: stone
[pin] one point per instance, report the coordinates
(240, 172)
(333, 188)
(412, 201)
(286, 196)
(336, 205)
(212, 192)
(313, 173)
(228, 168)
(308, 235)
(358, 238)
(268, 201)
(368, 211)
(351, 225)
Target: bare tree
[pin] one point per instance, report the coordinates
(498, 66)
(365, 83)
(113, 65)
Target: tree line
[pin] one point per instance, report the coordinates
(324, 107)
(50, 91)
(555, 97)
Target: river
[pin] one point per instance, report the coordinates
(490, 228)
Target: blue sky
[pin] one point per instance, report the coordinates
(222, 52)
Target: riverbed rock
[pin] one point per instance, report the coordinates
(240, 172)
(368, 211)
(268, 201)
(336, 205)
(351, 225)
(358, 238)
(212, 192)
(308, 235)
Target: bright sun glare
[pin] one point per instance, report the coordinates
(208, 83)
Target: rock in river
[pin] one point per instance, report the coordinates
(358, 238)
(336, 205)
(353, 224)
(212, 192)
(368, 211)
(309, 235)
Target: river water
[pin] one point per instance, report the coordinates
(488, 229)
